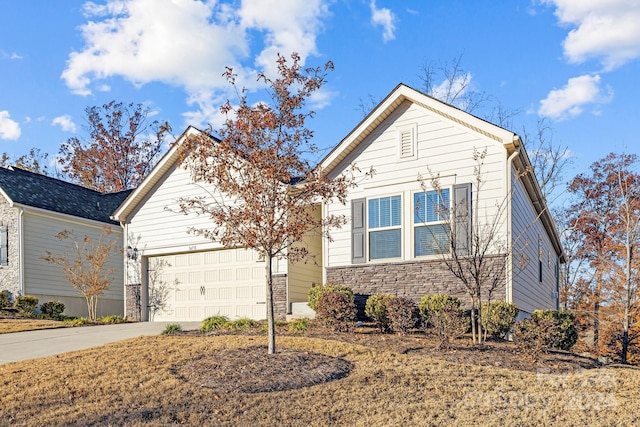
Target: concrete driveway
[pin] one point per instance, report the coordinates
(33, 344)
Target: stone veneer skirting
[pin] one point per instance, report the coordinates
(412, 279)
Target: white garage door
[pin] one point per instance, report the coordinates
(228, 282)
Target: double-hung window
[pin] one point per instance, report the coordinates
(432, 229)
(385, 227)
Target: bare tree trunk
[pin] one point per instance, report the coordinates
(474, 318)
(271, 330)
(596, 311)
(627, 303)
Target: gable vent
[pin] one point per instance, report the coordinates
(407, 141)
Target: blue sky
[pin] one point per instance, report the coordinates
(574, 62)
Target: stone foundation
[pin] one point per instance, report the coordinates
(412, 279)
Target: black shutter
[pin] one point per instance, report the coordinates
(358, 230)
(462, 218)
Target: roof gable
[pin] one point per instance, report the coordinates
(399, 95)
(24, 188)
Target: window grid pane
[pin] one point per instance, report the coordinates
(431, 239)
(385, 244)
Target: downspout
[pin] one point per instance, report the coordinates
(509, 275)
(21, 252)
(125, 273)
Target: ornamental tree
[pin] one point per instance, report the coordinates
(262, 188)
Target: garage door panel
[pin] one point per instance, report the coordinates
(225, 282)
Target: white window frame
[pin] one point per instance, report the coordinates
(416, 225)
(371, 229)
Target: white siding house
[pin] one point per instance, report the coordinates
(387, 247)
(391, 248)
(33, 210)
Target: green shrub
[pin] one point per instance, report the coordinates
(498, 317)
(26, 304)
(52, 309)
(5, 301)
(299, 326)
(214, 322)
(242, 324)
(403, 314)
(316, 293)
(376, 309)
(431, 305)
(171, 329)
(567, 334)
(336, 310)
(78, 321)
(534, 336)
(113, 318)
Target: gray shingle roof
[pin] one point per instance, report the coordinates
(40, 191)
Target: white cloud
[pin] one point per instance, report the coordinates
(65, 123)
(9, 129)
(188, 43)
(606, 30)
(384, 18)
(571, 100)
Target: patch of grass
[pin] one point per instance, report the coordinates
(171, 329)
(299, 326)
(77, 321)
(23, 325)
(242, 324)
(114, 318)
(213, 322)
(134, 382)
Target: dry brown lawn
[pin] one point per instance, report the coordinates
(140, 382)
(21, 325)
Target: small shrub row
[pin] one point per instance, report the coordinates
(336, 310)
(497, 318)
(112, 319)
(316, 293)
(26, 304)
(52, 309)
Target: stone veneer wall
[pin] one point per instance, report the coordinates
(412, 279)
(10, 274)
(132, 302)
(280, 296)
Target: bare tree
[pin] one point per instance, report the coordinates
(472, 247)
(85, 267)
(450, 83)
(159, 288)
(263, 191)
(548, 159)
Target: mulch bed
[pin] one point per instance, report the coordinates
(252, 370)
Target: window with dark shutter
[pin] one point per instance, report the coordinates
(462, 215)
(431, 222)
(385, 231)
(358, 230)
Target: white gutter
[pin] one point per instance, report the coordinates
(509, 275)
(21, 252)
(125, 270)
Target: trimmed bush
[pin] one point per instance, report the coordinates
(5, 301)
(52, 309)
(316, 293)
(336, 310)
(534, 336)
(112, 319)
(214, 322)
(171, 329)
(430, 305)
(567, 334)
(26, 304)
(376, 309)
(402, 313)
(299, 326)
(498, 317)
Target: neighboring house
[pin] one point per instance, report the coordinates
(33, 210)
(407, 135)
